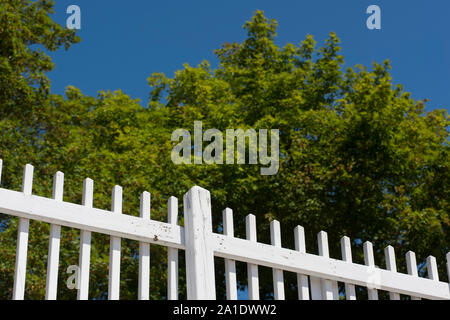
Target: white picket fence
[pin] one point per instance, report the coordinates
(317, 275)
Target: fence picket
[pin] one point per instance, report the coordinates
(432, 268)
(144, 253)
(22, 239)
(172, 253)
(230, 265)
(278, 281)
(85, 244)
(411, 265)
(329, 288)
(54, 242)
(369, 261)
(391, 266)
(1, 164)
(114, 249)
(302, 280)
(346, 250)
(252, 269)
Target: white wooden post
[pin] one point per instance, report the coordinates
(54, 244)
(411, 265)
(278, 281)
(230, 265)
(200, 278)
(391, 266)
(85, 244)
(432, 268)
(329, 288)
(1, 164)
(369, 261)
(172, 253)
(346, 250)
(22, 239)
(114, 249)
(302, 280)
(252, 269)
(144, 253)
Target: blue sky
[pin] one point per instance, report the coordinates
(123, 42)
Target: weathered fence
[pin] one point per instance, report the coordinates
(317, 275)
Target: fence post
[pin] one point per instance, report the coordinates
(199, 254)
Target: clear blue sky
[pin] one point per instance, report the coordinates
(123, 42)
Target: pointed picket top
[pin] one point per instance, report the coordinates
(322, 239)
(227, 217)
(172, 208)
(432, 268)
(299, 238)
(250, 227)
(116, 203)
(346, 249)
(390, 258)
(369, 259)
(27, 181)
(58, 186)
(275, 233)
(411, 263)
(88, 193)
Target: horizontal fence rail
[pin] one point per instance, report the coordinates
(317, 275)
(90, 219)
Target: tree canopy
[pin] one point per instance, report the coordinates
(358, 156)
